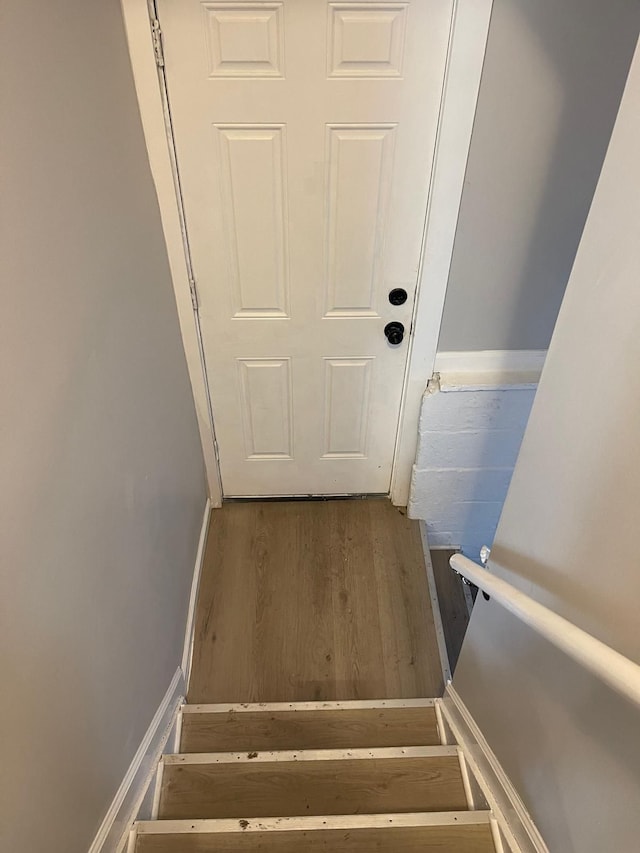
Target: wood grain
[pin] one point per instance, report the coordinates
(313, 600)
(324, 787)
(443, 839)
(322, 729)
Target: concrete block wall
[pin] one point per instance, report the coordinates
(469, 440)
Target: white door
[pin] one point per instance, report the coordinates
(305, 134)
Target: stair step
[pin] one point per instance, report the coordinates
(311, 782)
(309, 725)
(462, 832)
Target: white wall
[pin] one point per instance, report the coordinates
(103, 487)
(568, 536)
(468, 444)
(551, 85)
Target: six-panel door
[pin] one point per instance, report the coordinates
(305, 134)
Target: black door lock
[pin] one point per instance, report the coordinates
(398, 296)
(394, 332)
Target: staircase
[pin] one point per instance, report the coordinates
(345, 777)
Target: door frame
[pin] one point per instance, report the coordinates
(468, 34)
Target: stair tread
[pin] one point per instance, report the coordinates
(308, 727)
(311, 782)
(463, 832)
(257, 756)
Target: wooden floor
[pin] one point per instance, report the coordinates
(313, 600)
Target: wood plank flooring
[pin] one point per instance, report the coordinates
(313, 600)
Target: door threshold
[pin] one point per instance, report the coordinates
(337, 497)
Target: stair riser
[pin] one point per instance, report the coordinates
(314, 729)
(289, 788)
(461, 839)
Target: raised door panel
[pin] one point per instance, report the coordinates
(366, 39)
(244, 39)
(347, 409)
(266, 405)
(359, 175)
(252, 170)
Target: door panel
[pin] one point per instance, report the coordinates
(346, 408)
(360, 171)
(305, 134)
(252, 186)
(266, 407)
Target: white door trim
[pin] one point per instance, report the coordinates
(465, 57)
(151, 102)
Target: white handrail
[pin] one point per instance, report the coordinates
(620, 673)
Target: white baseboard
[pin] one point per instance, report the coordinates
(489, 369)
(435, 605)
(187, 653)
(141, 772)
(113, 833)
(518, 832)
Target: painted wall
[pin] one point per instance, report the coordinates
(552, 81)
(568, 536)
(468, 444)
(103, 486)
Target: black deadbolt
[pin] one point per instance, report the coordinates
(394, 332)
(398, 296)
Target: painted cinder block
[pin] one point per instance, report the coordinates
(466, 515)
(441, 486)
(494, 448)
(468, 444)
(468, 541)
(506, 408)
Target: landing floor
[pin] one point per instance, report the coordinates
(312, 601)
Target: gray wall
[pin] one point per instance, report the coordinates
(551, 85)
(100, 463)
(568, 536)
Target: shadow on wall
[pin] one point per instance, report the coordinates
(577, 525)
(558, 724)
(569, 533)
(552, 82)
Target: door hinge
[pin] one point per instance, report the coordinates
(216, 449)
(156, 36)
(194, 294)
